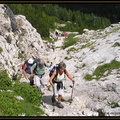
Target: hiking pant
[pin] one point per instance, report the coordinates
(39, 82)
(57, 91)
(31, 79)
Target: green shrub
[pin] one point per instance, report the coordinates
(28, 93)
(11, 106)
(88, 77)
(20, 56)
(5, 81)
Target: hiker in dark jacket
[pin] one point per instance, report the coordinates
(39, 72)
(57, 82)
(26, 70)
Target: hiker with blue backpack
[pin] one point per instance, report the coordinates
(56, 80)
(38, 71)
(26, 70)
(53, 46)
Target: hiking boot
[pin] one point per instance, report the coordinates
(60, 105)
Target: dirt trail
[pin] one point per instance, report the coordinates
(56, 56)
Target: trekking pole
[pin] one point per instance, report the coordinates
(53, 102)
(72, 94)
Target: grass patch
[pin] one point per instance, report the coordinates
(90, 45)
(67, 58)
(100, 70)
(69, 41)
(114, 105)
(117, 44)
(101, 112)
(88, 77)
(20, 55)
(72, 49)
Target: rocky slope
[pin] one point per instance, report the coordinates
(19, 39)
(90, 98)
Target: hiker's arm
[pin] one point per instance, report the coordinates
(51, 78)
(48, 65)
(32, 69)
(69, 76)
(24, 72)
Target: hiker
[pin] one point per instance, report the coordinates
(65, 35)
(57, 83)
(39, 72)
(53, 46)
(26, 70)
(48, 46)
(56, 33)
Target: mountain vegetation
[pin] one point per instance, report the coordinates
(44, 16)
(110, 11)
(16, 98)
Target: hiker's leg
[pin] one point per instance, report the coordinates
(42, 84)
(37, 82)
(59, 98)
(54, 98)
(31, 78)
(55, 91)
(60, 94)
(59, 104)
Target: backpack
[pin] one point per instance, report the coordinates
(27, 70)
(53, 68)
(24, 63)
(52, 45)
(36, 60)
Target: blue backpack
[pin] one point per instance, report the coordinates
(52, 69)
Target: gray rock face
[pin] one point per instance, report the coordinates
(24, 42)
(10, 14)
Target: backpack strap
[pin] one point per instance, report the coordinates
(56, 72)
(36, 64)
